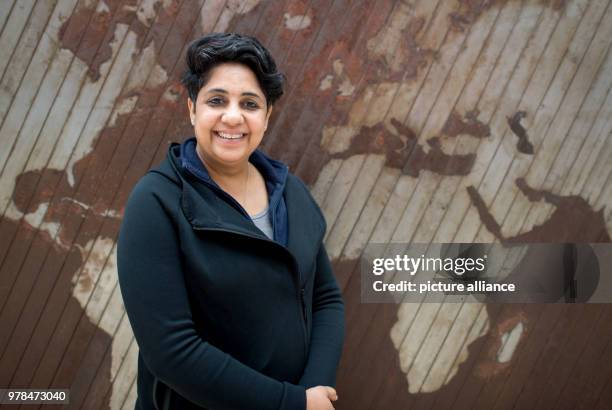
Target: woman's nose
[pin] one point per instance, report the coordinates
(232, 115)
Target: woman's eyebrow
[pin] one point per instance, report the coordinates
(222, 91)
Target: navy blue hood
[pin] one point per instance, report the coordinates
(274, 173)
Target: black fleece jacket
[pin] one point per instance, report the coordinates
(224, 317)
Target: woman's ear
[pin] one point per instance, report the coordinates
(191, 108)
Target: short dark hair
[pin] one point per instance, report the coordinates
(213, 49)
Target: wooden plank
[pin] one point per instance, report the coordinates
(557, 126)
(431, 38)
(105, 100)
(327, 176)
(488, 389)
(434, 340)
(590, 119)
(29, 135)
(437, 78)
(121, 342)
(90, 382)
(289, 123)
(15, 65)
(12, 31)
(24, 98)
(35, 303)
(445, 94)
(355, 202)
(604, 200)
(466, 379)
(86, 101)
(588, 376)
(508, 34)
(510, 167)
(575, 344)
(393, 211)
(598, 177)
(348, 45)
(340, 188)
(512, 72)
(125, 377)
(59, 305)
(371, 213)
(70, 89)
(586, 158)
(5, 12)
(444, 366)
(130, 400)
(527, 86)
(58, 113)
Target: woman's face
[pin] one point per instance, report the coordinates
(230, 115)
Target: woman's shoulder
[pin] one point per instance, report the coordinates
(300, 193)
(155, 189)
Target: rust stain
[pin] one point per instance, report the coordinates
(488, 365)
(469, 125)
(89, 31)
(403, 60)
(573, 219)
(523, 145)
(404, 152)
(435, 160)
(468, 11)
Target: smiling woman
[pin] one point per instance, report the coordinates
(223, 272)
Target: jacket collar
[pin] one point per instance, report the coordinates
(274, 172)
(205, 209)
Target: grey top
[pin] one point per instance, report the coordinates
(263, 222)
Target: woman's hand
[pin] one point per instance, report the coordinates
(320, 398)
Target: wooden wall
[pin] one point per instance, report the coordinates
(412, 121)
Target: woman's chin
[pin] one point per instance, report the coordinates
(231, 155)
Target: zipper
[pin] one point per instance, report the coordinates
(303, 300)
(299, 288)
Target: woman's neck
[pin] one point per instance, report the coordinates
(231, 178)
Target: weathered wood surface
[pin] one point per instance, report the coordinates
(393, 109)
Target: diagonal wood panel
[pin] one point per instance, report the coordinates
(393, 109)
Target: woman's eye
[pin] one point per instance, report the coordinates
(215, 101)
(251, 105)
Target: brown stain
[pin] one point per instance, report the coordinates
(295, 135)
(414, 56)
(489, 366)
(25, 186)
(88, 32)
(523, 145)
(404, 152)
(468, 11)
(573, 219)
(434, 160)
(468, 125)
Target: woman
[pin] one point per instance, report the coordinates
(222, 268)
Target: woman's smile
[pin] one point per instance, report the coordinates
(230, 136)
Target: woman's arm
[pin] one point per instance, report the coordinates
(327, 327)
(155, 297)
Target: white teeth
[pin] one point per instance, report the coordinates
(227, 136)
